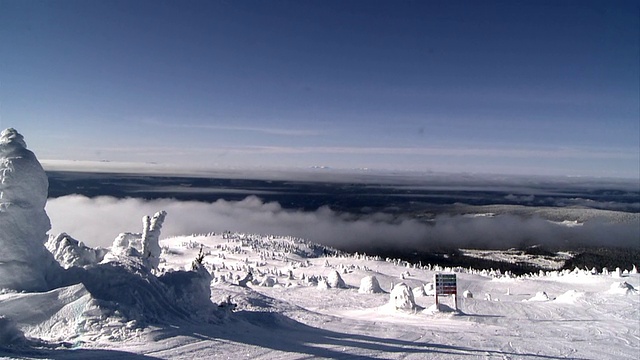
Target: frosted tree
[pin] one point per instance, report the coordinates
(25, 263)
(151, 238)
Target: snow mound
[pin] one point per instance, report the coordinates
(70, 252)
(25, 264)
(440, 309)
(622, 288)
(570, 296)
(370, 285)
(65, 312)
(401, 298)
(540, 296)
(334, 280)
(128, 286)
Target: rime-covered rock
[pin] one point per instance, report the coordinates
(25, 263)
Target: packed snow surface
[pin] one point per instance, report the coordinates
(293, 319)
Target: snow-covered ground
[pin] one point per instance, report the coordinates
(283, 312)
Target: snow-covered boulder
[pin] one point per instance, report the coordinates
(25, 263)
(370, 285)
(401, 297)
(335, 280)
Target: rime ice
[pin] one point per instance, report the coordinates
(24, 261)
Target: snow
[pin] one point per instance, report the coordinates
(401, 298)
(334, 280)
(25, 263)
(69, 252)
(291, 322)
(235, 295)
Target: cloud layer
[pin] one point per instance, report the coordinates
(97, 221)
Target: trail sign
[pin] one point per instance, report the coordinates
(446, 284)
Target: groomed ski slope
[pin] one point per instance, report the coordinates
(579, 316)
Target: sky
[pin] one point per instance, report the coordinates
(509, 87)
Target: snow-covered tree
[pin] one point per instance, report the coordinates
(25, 263)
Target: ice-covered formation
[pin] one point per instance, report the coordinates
(151, 237)
(370, 285)
(145, 244)
(70, 252)
(25, 263)
(124, 288)
(334, 280)
(401, 297)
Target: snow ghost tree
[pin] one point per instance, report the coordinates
(25, 263)
(401, 297)
(145, 244)
(151, 237)
(335, 280)
(370, 285)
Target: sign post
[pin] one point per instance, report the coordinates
(446, 284)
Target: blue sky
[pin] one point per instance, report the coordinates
(514, 87)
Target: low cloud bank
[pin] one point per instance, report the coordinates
(97, 221)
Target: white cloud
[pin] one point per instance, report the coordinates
(98, 221)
